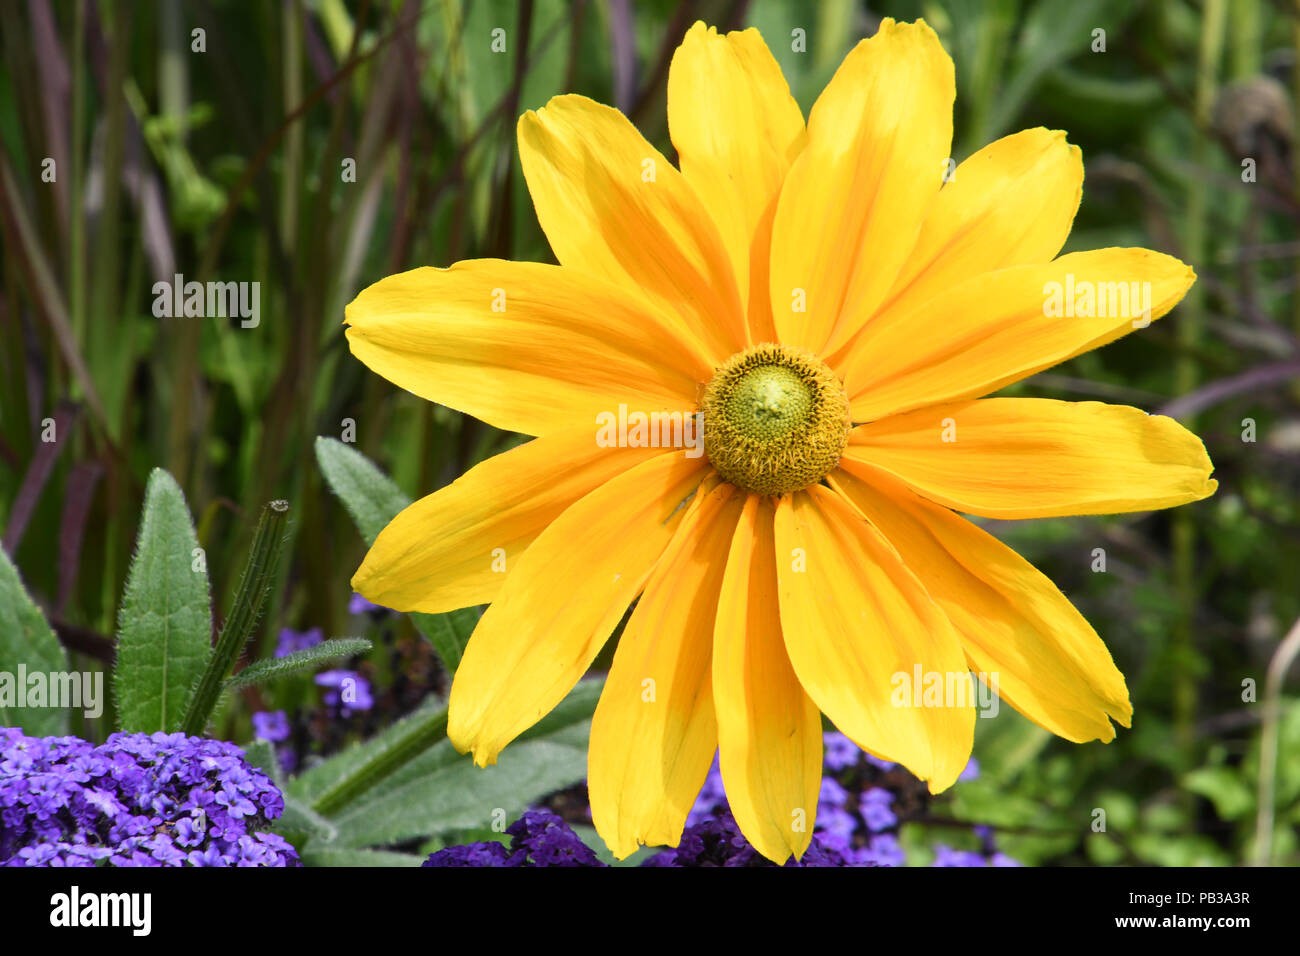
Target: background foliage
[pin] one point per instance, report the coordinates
(228, 164)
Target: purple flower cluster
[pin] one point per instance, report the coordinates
(855, 825)
(862, 828)
(541, 838)
(719, 842)
(135, 800)
(988, 855)
(538, 838)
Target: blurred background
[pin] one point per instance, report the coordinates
(315, 146)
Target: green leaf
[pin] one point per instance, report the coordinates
(320, 779)
(25, 639)
(254, 589)
(373, 500)
(1225, 787)
(331, 856)
(165, 623)
(259, 672)
(442, 791)
(302, 821)
(261, 754)
(448, 633)
(567, 722)
(589, 836)
(369, 495)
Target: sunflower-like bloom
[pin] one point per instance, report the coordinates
(833, 300)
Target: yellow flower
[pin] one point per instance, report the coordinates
(835, 299)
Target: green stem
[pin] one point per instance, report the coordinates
(1247, 27)
(76, 234)
(1283, 658)
(1190, 329)
(253, 589)
(424, 731)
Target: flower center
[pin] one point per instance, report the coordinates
(775, 419)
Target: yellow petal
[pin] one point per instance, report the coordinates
(869, 645)
(769, 731)
(454, 548)
(523, 346)
(1010, 204)
(1012, 621)
(613, 206)
(736, 129)
(1037, 457)
(654, 733)
(853, 202)
(562, 601)
(999, 327)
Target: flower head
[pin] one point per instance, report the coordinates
(538, 838)
(758, 389)
(135, 800)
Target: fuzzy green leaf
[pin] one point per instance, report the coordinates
(373, 500)
(300, 820)
(26, 639)
(314, 783)
(259, 672)
(261, 754)
(165, 622)
(441, 791)
(368, 494)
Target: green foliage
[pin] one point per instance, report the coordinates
(315, 783)
(165, 623)
(27, 641)
(370, 496)
(261, 672)
(335, 856)
(373, 500)
(433, 790)
(254, 589)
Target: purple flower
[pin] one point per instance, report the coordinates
(291, 640)
(836, 821)
(546, 840)
(831, 794)
(881, 850)
(471, 854)
(538, 838)
(840, 752)
(136, 800)
(347, 691)
(719, 842)
(876, 809)
(971, 771)
(272, 725)
(359, 605)
(947, 856)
